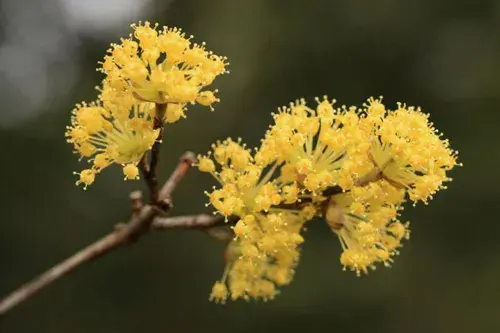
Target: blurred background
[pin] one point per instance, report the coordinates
(443, 55)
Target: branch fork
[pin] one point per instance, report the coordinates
(144, 218)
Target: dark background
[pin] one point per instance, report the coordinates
(441, 55)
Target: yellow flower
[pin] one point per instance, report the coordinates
(409, 153)
(219, 293)
(87, 177)
(246, 187)
(261, 257)
(265, 250)
(104, 138)
(131, 171)
(161, 66)
(320, 148)
(367, 236)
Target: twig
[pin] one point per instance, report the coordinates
(144, 166)
(151, 173)
(185, 162)
(103, 246)
(200, 221)
(138, 226)
(136, 202)
(217, 227)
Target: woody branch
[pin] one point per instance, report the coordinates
(145, 219)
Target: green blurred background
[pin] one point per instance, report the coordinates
(443, 55)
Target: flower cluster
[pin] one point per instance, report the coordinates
(352, 166)
(149, 79)
(105, 138)
(366, 222)
(162, 67)
(264, 251)
(355, 167)
(263, 255)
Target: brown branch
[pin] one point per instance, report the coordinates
(200, 221)
(136, 202)
(144, 166)
(216, 227)
(120, 236)
(185, 162)
(139, 225)
(150, 173)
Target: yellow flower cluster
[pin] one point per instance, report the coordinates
(327, 147)
(354, 166)
(408, 152)
(263, 255)
(152, 75)
(265, 249)
(105, 138)
(246, 183)
(365, 220)
(162, 67)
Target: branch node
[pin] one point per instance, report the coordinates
(164, 207)
(188, 157)
(136, 202)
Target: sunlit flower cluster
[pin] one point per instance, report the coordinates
(409, 153)
(262, 257)
(367, 225)
(162, 66)
(103, 138)
(249, 186)
(149, 79)
(353, 166)
(265, 250)
(318, 148)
